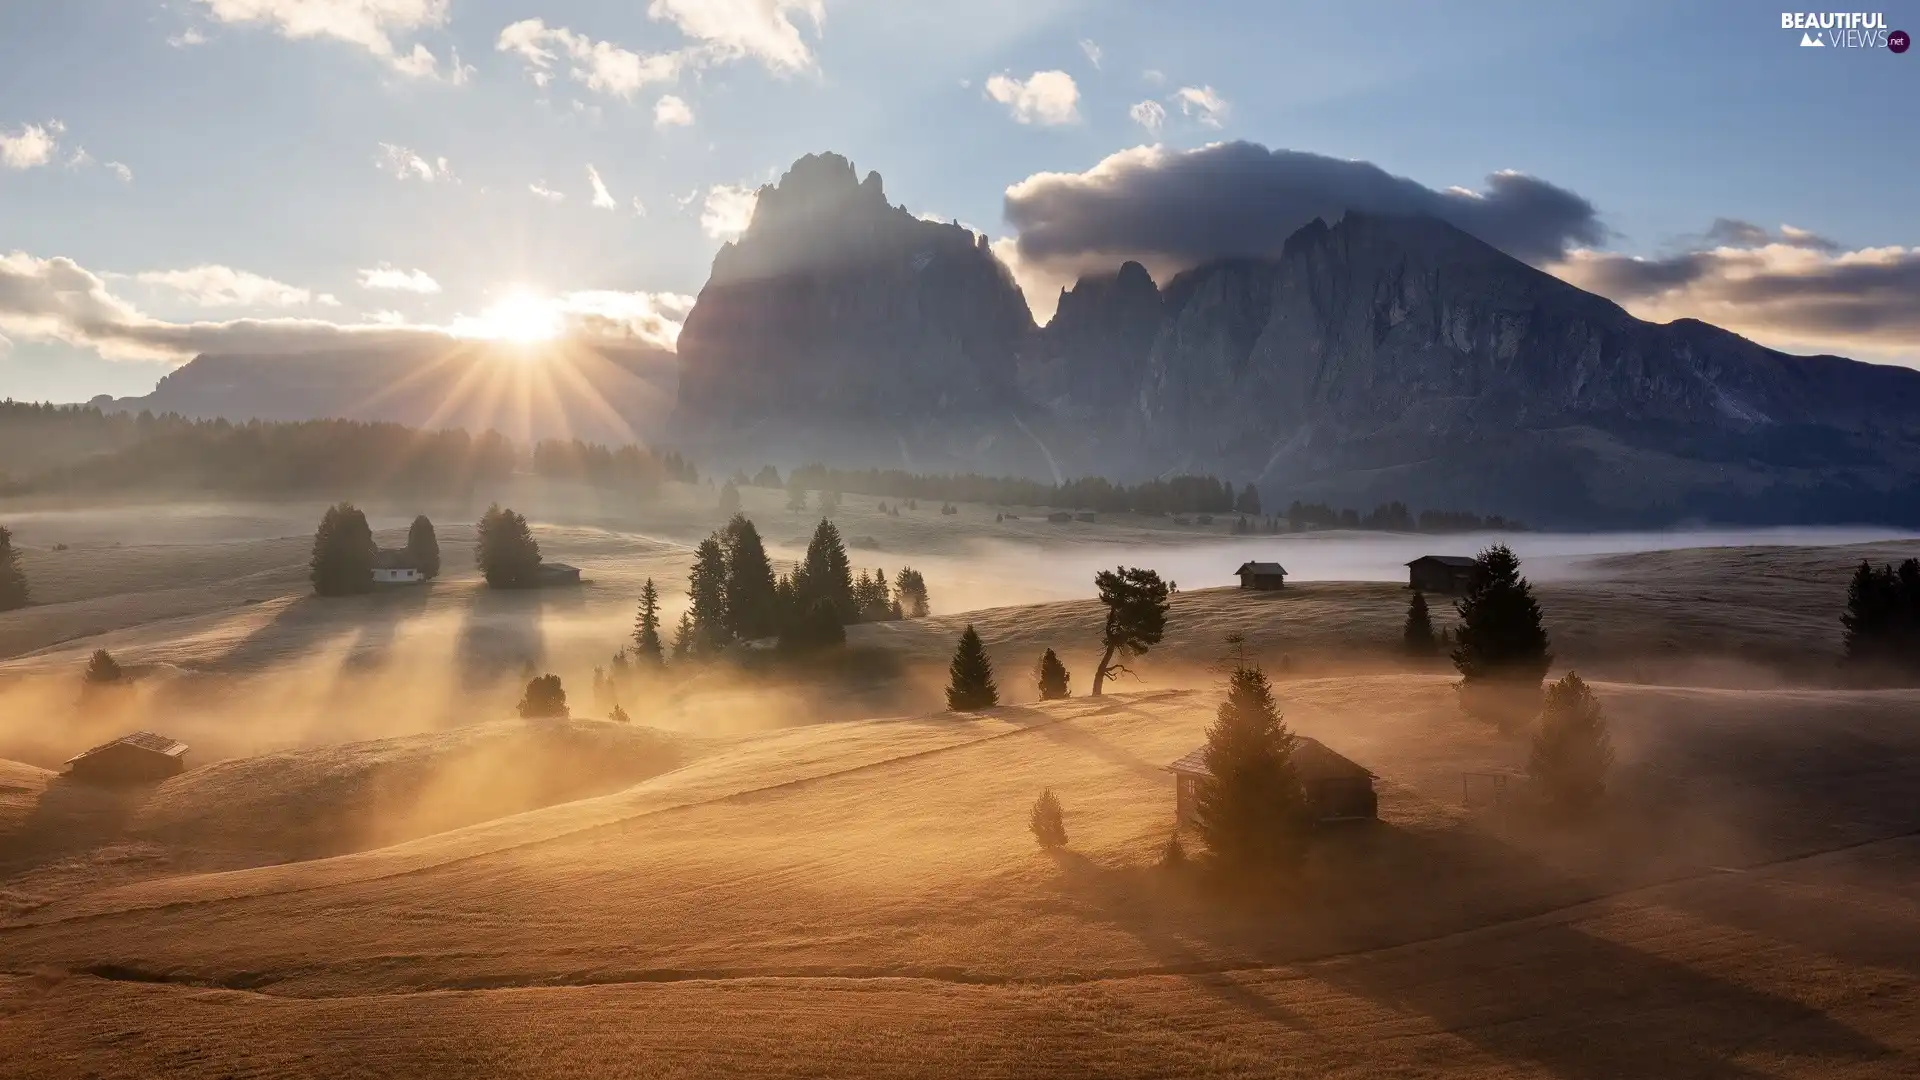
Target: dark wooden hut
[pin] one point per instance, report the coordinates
(130, 759)
(1337, 789)
(1445, 574)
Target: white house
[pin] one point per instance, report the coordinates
(395, 567)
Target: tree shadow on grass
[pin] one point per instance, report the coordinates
(501, 633)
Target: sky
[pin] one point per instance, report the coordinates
(180, 176)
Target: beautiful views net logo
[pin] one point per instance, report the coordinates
(1845, 30)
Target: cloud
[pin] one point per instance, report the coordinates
(602, 198)
(187, 38)
(125, 174)
(58, 300)
(31, 146)
(546, 193)
(1046, 98)
(639, 208)
(1785, 287)
(1093, 52)
(1153, 77)
(404, 164)
(763, 30)
(370, 24)
(388, 278)
(1148, 114)
(670, 111)
(728, 211)
(1203, 104)
(223, 286)
(601, 66)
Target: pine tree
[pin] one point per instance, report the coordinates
(970, 683)
(544, 699)
(1500, 646)
(343, 552)
(1048, 820)
(505, 551)
(1417, 637)
(423, 547)
(1873, 616)
(826, 574)
(1052, 677)
(707, 597)
(729, 499)
(1136, 601)
(1572, 751)
(646, 628)
(911, 588)
(13, 580)
(753, 608)
(1252, 809)
(102, 669)
(619, 715)
(683, 636)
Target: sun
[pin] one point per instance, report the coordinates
(520, 316)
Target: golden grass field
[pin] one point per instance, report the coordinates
(371, 871)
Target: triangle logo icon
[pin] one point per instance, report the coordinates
(1808, 41)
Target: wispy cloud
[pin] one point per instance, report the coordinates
(1093, 52)
(1202, 103)
(390, 279)
(31, 145)
(602, 198)
(601, 66)
(222, 286)
(1045, 98)
(547, 193)
(369, 24)
(728, 211)
(404, 164)
(1149, 114)
(670, 111)
(762, 30)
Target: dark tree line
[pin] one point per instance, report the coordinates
(1393, 517)
(1882, 619)
(626, 467)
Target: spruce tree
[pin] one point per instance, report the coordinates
(753, 607)
(729, 499)
(826, 574)
(1500, 646)
(13, 581)
(102, 669)
(505, 551)
(1048, 820)
(707, 597)
(544, 699)
(970, 683)
(1873, 616)
(423, 547)
(911, 588)
(1252, 809)
(1417, 636)
(683, 636)
(646, 628)
(343, 552)
(619, 715)
(1052, 677)
(1572, 751)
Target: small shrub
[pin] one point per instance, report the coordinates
(1048, 821)
(1572, 752)
(1174, 854)
(619, 715)
(544, 699)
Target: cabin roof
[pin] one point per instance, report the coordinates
(394, 559)
(1311, 759)
(139, 740)
(558, 568)
(1459, 561)
(1262, 568)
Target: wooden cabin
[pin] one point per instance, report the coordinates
(1337, 789)
(1445, 574)
(1262, 575)
(131, 759)
(553, 573)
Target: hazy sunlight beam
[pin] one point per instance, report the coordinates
(519, 316)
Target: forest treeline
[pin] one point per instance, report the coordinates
(50, 449)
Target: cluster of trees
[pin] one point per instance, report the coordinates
(1392, 517)
(1174, 495)
(344, 551)
(13, 580)
(1882, 619)
(505, 551)
(626, 467)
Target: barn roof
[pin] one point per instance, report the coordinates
(1262, 568)
(1461, 561)
(139, 740)
(1311, 759)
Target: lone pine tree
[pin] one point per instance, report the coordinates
(343, 552)
(423, 547)
(505, 551)
(1052, 677)
(1048, 820)
(1417, 636)
(1136, 603)
(646, 628)
(970, 677)
(1572, 751)
(1500, 646)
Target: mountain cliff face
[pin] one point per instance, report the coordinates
(835, 303)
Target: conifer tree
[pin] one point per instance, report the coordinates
(729, 499)
(1500, 646)
(1874, 610)
(796, 495)
(505, 551)
(619, 715)
(753, 608)
(1052, 677)
(13, 580)
(707, 597)
(102, 669)
(1252, 809)
(1048, 820)
(423, 547)
(1136, 603)
(970, 682)
(646, 628)
(683, 636)
(343, 552)
(1572, 751)
(1417, 637)
(826, 573)
(911, 588)
(544, 699)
